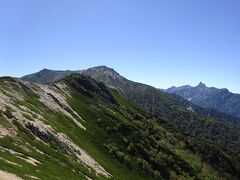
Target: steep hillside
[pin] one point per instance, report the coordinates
(166, 108)
(210, 97)
(77, 128)
(31, 146)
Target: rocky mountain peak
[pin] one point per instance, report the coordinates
(201, 85)
(103, 73)
(103, 69)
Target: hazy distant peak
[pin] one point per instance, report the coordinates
(202, 85)
(44, 70)
(210, 97)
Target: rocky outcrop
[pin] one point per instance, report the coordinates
(8, 176)
(66, 144)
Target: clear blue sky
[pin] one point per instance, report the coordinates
(158, 42)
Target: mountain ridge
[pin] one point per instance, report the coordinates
(210, 97)
(112, 79)
(48, 75)
(170, 109)
(79, 128)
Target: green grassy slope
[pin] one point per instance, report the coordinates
(166, 107)
(140, 143)
(216, 126)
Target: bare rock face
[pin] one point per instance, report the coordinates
(57, 102)
(8, 176)
(47, 135)
(7, 131)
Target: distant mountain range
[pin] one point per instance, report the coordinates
(210, 97)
